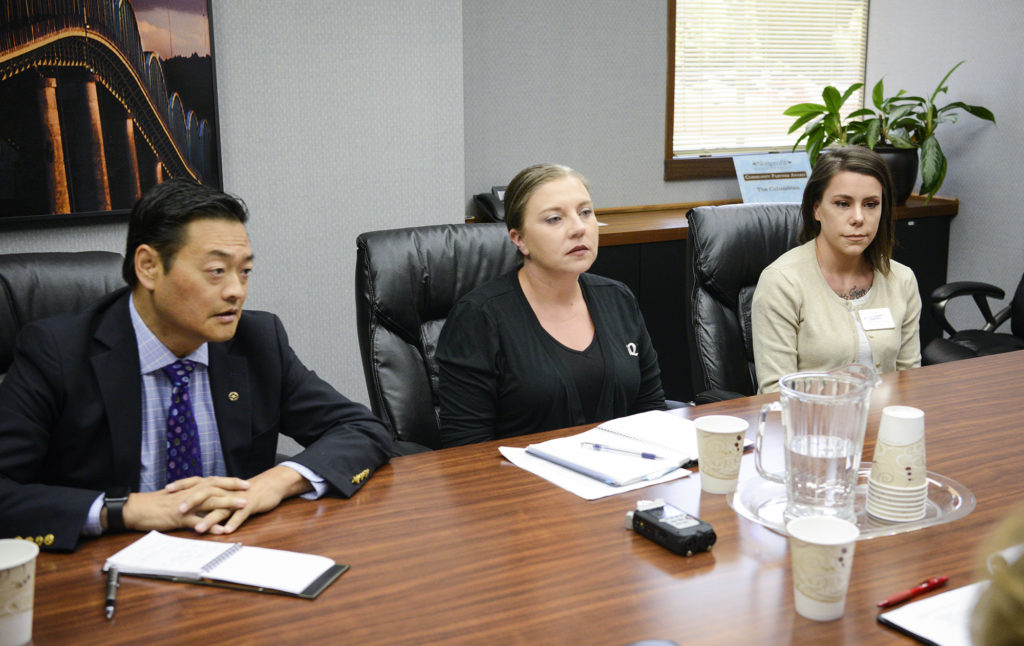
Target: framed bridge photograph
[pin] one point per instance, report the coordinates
(99, 101)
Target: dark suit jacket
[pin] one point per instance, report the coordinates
(71, 416)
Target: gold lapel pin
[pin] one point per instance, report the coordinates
(233, 396)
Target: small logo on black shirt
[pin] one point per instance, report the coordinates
(631, 349)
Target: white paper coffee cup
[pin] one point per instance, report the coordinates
(901, 425)
(17, 590)
(821, 549)
(720, 440)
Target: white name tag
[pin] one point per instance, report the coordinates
(877, 319)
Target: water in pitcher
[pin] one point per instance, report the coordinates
(823, 475)
(824, 416)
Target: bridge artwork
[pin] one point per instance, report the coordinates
(87, 121)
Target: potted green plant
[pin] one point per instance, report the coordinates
(861, 127)
(909, 122)
(829, 126)
(902, 122)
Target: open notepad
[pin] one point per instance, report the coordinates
(671, 439)
(945, 619)
(940, 620)
(232, 565)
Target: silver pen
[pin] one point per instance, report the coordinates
(614, 449)
(113, 583)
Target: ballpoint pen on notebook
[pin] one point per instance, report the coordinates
(613, 449)
(919, 589)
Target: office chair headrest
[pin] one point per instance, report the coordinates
(732, 244)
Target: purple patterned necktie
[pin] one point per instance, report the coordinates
(183, 456)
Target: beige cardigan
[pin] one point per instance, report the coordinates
(800, 324)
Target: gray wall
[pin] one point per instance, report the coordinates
(338, 118)
(92, 237)
(578, 82)
(987, 238)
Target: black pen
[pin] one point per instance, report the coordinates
(112, 585)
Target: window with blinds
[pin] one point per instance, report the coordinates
(738, 64)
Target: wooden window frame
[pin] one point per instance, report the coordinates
(683, 168)
(704, 166)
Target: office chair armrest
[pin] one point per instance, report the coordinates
(980, 292)
(966, 288)
(715, 395)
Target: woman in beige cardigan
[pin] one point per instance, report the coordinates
(839, 297)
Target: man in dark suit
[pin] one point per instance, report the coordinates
(159, 407)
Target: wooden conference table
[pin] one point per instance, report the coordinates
(458, 546)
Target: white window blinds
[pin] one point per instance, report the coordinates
(740, 63)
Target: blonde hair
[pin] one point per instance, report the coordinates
(998, 617)
(526, 181)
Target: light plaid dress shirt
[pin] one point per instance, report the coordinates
(156, 395)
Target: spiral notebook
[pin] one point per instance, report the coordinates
(669, 442)
(232, 565)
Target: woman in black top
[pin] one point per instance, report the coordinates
(546, 346)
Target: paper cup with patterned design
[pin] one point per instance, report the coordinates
(720, 440)
(17, 590)
(899, 459)
(821, 550)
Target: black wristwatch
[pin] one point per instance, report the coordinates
(114, 500)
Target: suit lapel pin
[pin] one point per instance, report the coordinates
(233, 396)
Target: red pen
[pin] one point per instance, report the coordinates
(921, 588)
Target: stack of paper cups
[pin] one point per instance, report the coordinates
(898, 484)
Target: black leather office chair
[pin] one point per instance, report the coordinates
(728, 247)
(965, 344)
(38, 285)
(407, 280)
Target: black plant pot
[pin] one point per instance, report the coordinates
(902, 163)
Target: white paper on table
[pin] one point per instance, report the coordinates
(943, 619)
(583, 486)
